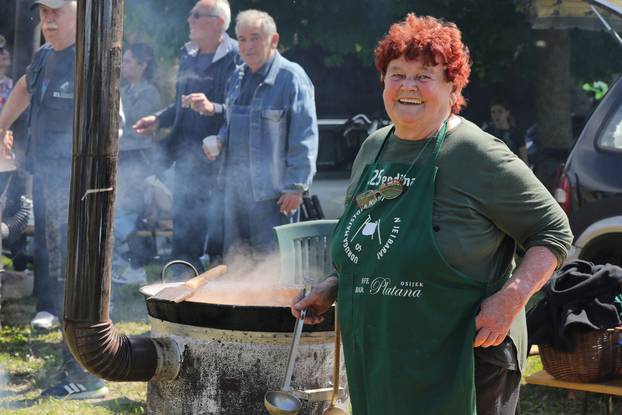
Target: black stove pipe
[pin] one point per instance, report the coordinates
(89, 332)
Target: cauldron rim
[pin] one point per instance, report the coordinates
(251, 318)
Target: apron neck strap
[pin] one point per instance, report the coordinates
(440, 137)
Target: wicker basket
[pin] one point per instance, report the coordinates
(597, 356)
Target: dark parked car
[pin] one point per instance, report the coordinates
(590, 186)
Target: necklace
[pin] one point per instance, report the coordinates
(393, 188)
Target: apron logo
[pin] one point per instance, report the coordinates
(379, 235)
(384, 287)
(369, 228)
(378, 177)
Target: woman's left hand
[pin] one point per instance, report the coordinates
(495, 317)
(498, 311)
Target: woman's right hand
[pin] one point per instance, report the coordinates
(317, 302)
(146, 125)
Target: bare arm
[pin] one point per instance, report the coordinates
(16, 104)
(498, 311)
(318, 301)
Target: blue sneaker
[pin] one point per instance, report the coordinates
(77, 389)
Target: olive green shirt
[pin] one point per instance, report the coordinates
(485, 199)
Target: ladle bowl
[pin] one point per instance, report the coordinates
(282, 403)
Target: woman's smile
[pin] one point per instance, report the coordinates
(409, 101)
(417, 97)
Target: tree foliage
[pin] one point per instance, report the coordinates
(338, 38)
(496, 30)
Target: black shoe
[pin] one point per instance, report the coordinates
(82, 387)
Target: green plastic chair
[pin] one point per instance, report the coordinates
(304, 249)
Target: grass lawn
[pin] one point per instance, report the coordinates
(29, 360)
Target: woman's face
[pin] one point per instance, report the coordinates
(417, 97)
(499, 115)
(131, 69)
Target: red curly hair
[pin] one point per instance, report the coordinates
(435, 42)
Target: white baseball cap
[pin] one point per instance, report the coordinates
(53, 4)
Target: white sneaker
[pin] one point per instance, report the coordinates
(44, 321)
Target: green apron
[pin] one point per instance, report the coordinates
(407, 316)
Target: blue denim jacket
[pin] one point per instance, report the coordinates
(213, 78)
(283, 151)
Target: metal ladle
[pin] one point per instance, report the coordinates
(283, 402)
(332, 409)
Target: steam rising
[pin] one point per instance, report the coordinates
(252, 282)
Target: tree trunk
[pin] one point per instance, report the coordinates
(553, 100)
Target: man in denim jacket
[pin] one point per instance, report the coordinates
(205, 64)
(270, 139)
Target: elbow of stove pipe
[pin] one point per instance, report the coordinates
(102, 350)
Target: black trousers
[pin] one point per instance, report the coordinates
(497, 379)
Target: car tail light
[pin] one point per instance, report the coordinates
(562, 192)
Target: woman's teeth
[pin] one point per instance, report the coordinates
(410, 101)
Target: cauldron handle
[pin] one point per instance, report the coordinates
(175, 262)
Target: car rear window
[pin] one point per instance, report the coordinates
(611, 137)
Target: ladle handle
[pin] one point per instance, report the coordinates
(336, 360)
(292, 351)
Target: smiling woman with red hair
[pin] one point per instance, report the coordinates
(432, 41)
(431, 301)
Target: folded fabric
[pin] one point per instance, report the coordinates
(579, 297)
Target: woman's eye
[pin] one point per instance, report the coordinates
(397, 76)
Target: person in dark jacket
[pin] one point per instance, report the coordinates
(205, 64)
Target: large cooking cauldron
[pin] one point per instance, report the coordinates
(235, 342)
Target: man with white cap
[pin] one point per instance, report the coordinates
(47, 90)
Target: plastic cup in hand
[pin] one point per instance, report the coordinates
(211, 145)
